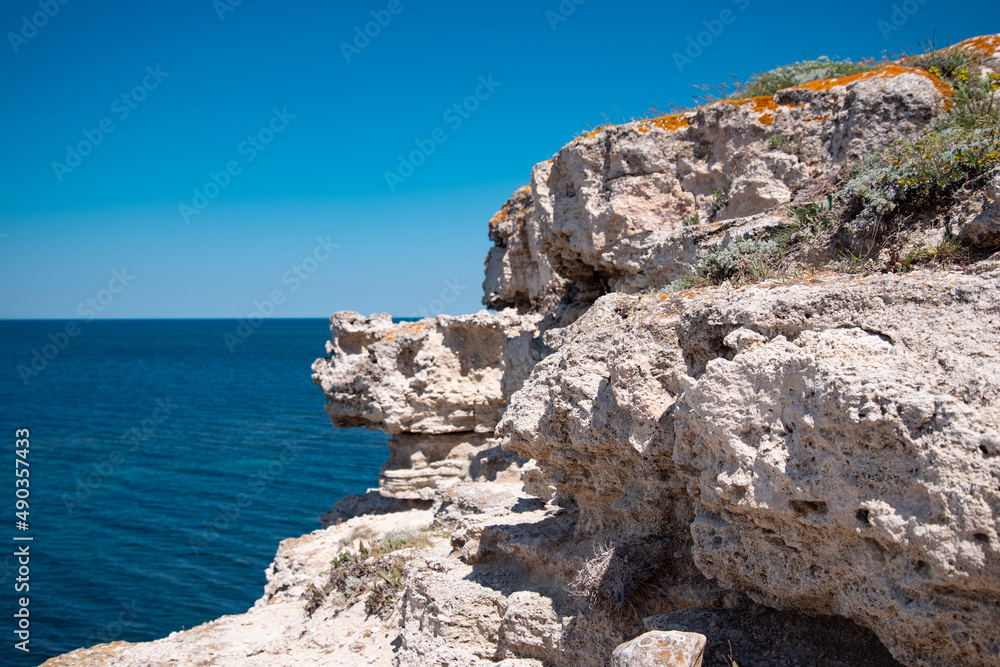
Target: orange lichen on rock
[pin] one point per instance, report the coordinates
(505, 209)
(886, 72)
(763, 105)
(412, 328)
(987, 45)
(670, 123)
(596, 131)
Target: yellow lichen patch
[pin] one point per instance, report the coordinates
(670, 123)
(986, 45)
(887, 72)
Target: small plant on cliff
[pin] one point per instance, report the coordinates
(918, 170)
(375, 568)
(730, 660)
(948, 251)
(385, 592)
(777, 142)
(692, 220)
(796, 74)
(813, 216)
(951, 64)
(744, 259)
(684, 284)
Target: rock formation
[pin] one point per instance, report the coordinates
(638, 460)
(434, 385)
(611, 206)
(827, 446)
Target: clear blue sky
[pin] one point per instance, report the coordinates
(63, 232)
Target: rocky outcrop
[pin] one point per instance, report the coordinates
(518, 275)
(438, 386)
(801, 471)
(434, 385)
(611, 206)
(437, 375)
(985, 46)
(829, 445)
(977, 220)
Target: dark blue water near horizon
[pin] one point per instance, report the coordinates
(164, 471)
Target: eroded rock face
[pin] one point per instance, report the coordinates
(610, 207)
(434, 385)
(804, 473)
(832, 443)
(438, 375)
(518, 275)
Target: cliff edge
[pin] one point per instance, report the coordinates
(737, 398)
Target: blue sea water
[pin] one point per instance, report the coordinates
(164, 470)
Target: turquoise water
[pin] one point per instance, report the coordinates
(164, 470)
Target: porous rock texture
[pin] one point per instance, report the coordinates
(831, 444)
(437, 375)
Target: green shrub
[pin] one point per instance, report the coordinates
(743, 259)
(956, 147)
(376, 568)
(692, 220)
(919, 169)
(812, 217)
(952, 65)
(796, 74)
(682, 284)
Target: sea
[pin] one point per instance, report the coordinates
(152, 467)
